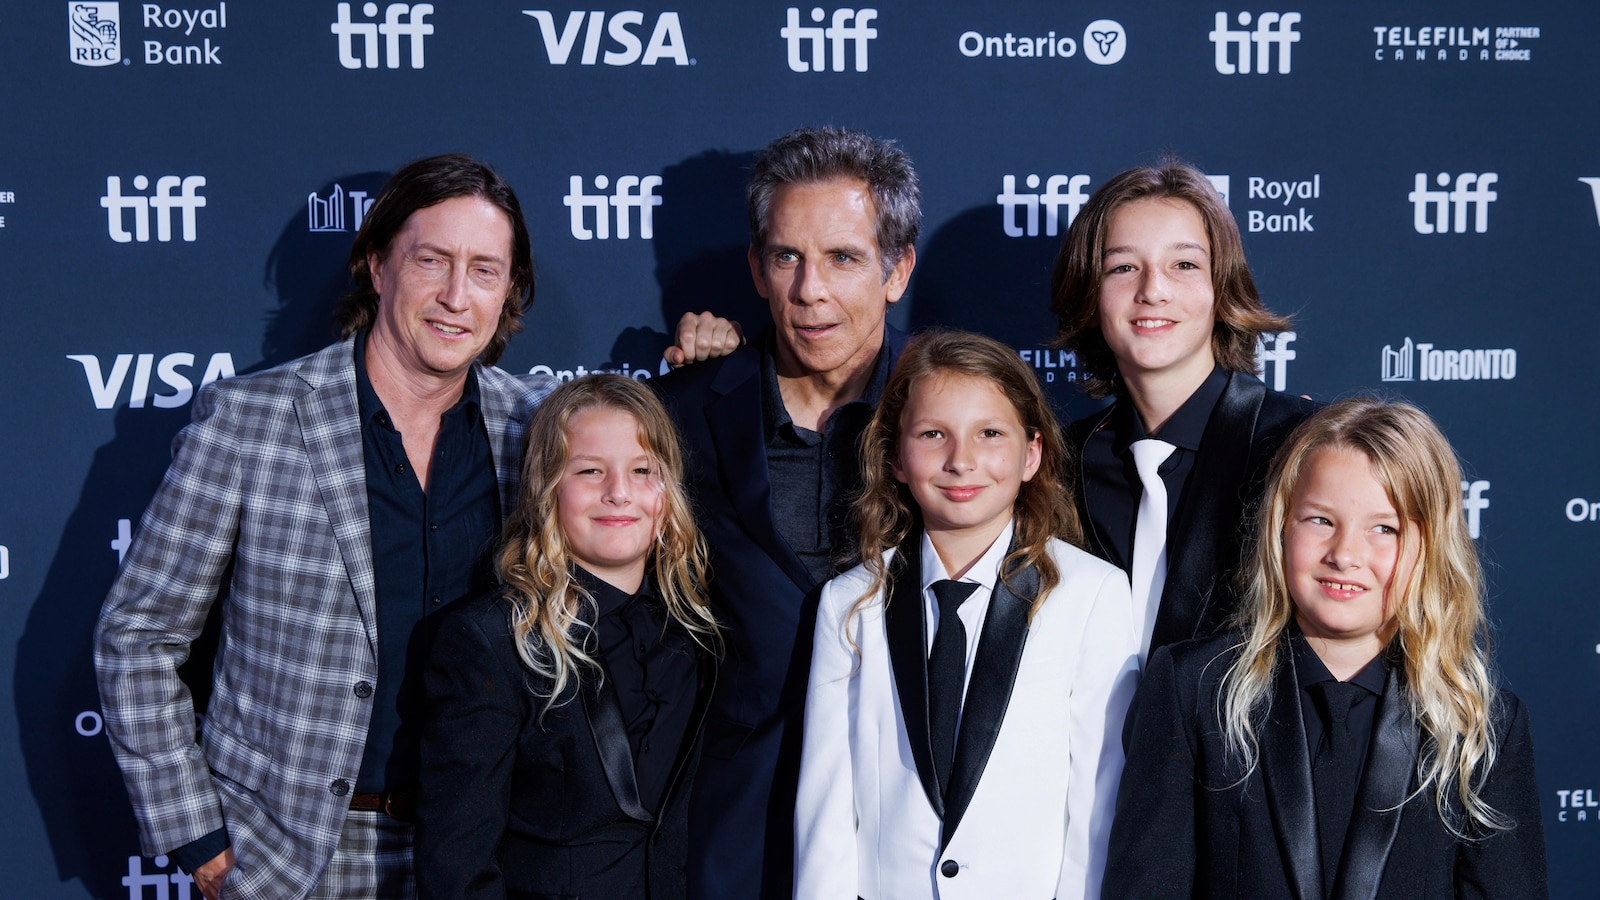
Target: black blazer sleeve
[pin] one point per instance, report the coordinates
(1153, 835)
(476, 702)
(1509, 863)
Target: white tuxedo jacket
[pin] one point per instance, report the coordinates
(1038, 753)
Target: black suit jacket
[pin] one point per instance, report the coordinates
(1210, 529)
(512, 806)
(1191, 823)
(742, 828)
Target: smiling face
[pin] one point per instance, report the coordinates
(964, 454)
(1342, 551)
(822, 277)
(1156, 297)
(441, 285)
(610, 496)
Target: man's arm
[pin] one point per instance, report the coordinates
(156, 608)
(703, 336)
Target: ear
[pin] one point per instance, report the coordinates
(895, 468)
(900, 276)
(1035, 455)
(757, 273)
(375, 269)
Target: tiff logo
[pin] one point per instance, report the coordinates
(835, 34)
(136, 881)
(1594, 186)
(666, 40)
(1471, 190)
(1473, 503)
(1271, 28)
(5, 562)
(1052, 200)
(632, 191)
(163, 203)
(124, 539)
(106, 389)
(1279, 355)
(328, 215)
(94, 32)
(392, 30)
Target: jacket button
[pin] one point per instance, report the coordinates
(363, 689)
(340, 787)
(948, 868)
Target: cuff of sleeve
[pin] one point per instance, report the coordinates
(200, 851)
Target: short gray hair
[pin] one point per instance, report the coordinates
(810, 155)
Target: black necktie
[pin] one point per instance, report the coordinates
(947, 675)
(1334, 771)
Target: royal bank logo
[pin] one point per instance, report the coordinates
(1272, 348)
(631, 192)
(623, 46)
(1454, 43)
(1474, 500)
(187, 201)
(1104, 43)
(1237, 47)
(173, 370)
(818, 47)
(1432, 208)
(329, 214)
(1019, 211)
(1283, 214)
(1594, 188)
(94, 33)
(1223, 185)
(1424, 362)
(358, 41)
(1577, 804)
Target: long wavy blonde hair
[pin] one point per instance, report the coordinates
(1440, 637)
(534, 561)
(886, 516)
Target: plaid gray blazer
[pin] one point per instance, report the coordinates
(264, 509)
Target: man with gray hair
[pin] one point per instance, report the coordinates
(772, 432)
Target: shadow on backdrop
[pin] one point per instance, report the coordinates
(71, 772)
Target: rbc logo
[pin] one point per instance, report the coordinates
(94, 33)
(624, 197)
(1279, 355)
(106, 390)
(1473, 503)
(1471, 189)
(163, 202)
(1052, 200)
(392, 29)
(835, 34)
(1271, 28)
(666, 40)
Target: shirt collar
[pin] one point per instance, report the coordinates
(776, 415)
(608, 598)
(985, 572)
(370, 405)
(1309, 668)
(1186, 426)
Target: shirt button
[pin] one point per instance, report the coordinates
(363, 689)
(432, 526)
(400, 468)
(340, 787)
(948, 868)
(436, 601)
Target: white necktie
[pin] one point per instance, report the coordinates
(1149, 572)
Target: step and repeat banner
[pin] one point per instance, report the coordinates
(179, 184)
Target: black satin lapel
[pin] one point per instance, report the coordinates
(1286, 771)
(994, 671)
(1207, 521)
(604, 713)
(736, 427)
(690, 752)
(908, 655)
(1080, 440)
(1391, 763)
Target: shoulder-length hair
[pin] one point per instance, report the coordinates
(1238, 317)
(1440, 640)
(536, 565)
(887, 516)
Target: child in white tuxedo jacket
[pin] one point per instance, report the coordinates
(970, 677)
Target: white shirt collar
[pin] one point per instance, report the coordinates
(985, 572)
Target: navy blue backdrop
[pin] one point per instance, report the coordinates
(179, 186)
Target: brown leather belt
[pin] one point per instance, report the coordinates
(399, 805)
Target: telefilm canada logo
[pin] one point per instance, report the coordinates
(172, 36)
(1104, 43)
(1263, 49)
(339, 211)
(821, 47)
(1578, 804)
(1048, 363)
(1425, 362)
(621, 36)
(1443, 43)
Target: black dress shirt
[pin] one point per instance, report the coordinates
(652, 663)
(1309, 669)
(812, 472)
(1111, 484)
